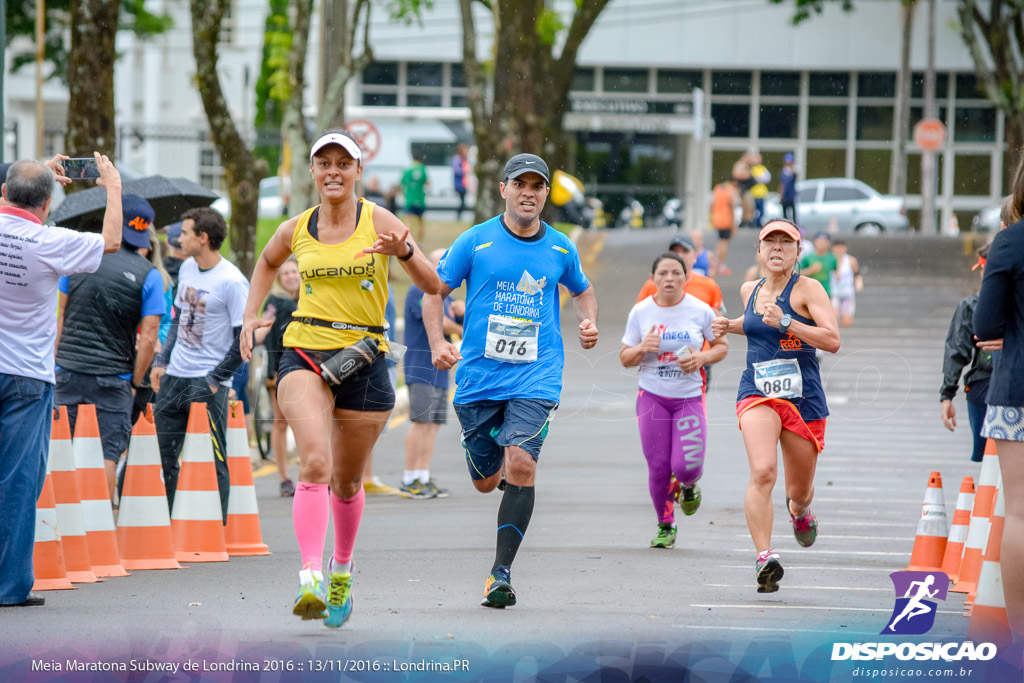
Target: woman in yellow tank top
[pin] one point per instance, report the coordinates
(343, 247)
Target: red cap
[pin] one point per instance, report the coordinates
(780, 226)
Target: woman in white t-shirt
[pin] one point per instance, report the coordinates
(664, 335)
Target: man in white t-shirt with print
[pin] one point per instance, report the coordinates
(33, 257)
(200, 354)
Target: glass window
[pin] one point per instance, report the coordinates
(808, 194)
(460, 101)
(722, 161)
(625, 80)
(917, 85)
(826, 163)
(422, 100)
(779, 121)
(975, 124)
(873, 167)
(971, 174)
(917, 113)
(583, 79)
(458, 76)
(874, 123)
(780, 83)
(829, 84)
(914, 174)
(826, 122)
(730, 82)
(731, 120)
(381, 73)
(425, 74)
(876, 85)
(842, 193)
(379, 99)
(968, 87)
(679, 82)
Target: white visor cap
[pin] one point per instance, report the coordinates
(347, 143)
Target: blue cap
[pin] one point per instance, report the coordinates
(138, 216)
(787, 158)
(173, 233)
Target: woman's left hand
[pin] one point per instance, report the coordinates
(691, 362)
(772, 315)
(390, 244)
(990, 345)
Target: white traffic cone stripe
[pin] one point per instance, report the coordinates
(990, 586)
(70, 519)
(958, 533)
(243, 501)
(98, 515)
(144, 511)
(933, 496)
(190, 506)
(46, 525)
(86, 450)
(978, 532)
(62, 459)
(144, 450)
(197, 448)
(933, 520)
(989, 470)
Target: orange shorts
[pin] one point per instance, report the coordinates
(813, 431)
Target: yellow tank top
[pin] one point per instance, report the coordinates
(340, 283)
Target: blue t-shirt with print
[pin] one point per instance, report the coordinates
(418, 366)
(514, 277)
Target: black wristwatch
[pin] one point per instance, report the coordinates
(784, 323)
(412, 250)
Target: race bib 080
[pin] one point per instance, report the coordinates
(779, 378)
(511, 340)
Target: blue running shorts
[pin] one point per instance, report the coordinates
(489, 426)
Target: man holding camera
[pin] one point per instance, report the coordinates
(34, 258)
(201, 353)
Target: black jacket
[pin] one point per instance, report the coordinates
(1000, 314)
(961, 351)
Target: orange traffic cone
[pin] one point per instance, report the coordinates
(977, 533)
(989, 621)
(932, 529)
(196, 523)
(958, 532)
(92, 485)
(70, 518)
(47, 555)
(143, 520)
(242, 532)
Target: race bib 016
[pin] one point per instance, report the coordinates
(779, 378)
(511, 340)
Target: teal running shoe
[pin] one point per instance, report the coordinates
(689, 499)
(311, 602)
(498, 590)
(339, 598)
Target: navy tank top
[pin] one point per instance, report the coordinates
(765, 343)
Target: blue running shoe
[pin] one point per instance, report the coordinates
(498, 589)
(339, 598)
(311, 602)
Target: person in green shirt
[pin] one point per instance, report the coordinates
(821, 263)
(414, 183)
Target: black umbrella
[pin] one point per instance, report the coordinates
(169, 197)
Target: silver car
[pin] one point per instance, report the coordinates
(854, 206)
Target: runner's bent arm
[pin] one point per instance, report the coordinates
(722, 325)
(110, 180)
(443, 353)
(392, 236)
(273, 255)
(148, 329)
(826, 335)
(585, 306)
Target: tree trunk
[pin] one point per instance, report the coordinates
(898, 168)
(293, 127)
(90, 124)
(242, 170)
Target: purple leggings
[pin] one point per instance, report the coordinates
(673, 434)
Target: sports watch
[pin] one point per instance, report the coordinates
(784, 323)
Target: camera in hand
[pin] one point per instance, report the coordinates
(81, 169)
(349, 360)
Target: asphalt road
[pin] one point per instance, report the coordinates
(592, 594)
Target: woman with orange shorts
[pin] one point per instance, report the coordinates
(786, 318)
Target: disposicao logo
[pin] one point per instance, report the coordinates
(914, 614)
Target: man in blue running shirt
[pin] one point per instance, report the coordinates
(510, 375)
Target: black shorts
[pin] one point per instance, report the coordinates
(112, 397)
(489, 426)
(416, 209)
(369, 390)
(724, 233)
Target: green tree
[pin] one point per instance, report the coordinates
(272, 86)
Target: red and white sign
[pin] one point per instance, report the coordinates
(367, 135)
(930, 134)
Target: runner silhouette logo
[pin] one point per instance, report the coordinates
(916, 592)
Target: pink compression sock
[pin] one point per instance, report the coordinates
(310, 515)
(348, 512)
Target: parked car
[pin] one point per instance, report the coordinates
(855, 206)
(987, 220)
(271, 202)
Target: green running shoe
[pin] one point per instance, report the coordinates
(666, 537)
(311, 602)
(689, 499)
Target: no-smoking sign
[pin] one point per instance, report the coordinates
(367, 135)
